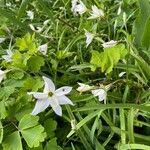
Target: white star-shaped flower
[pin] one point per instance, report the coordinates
(89, 38)
(96, 13)
(121, 74)
(30, 14)
(43, 49)
(37, 30)
(109, 44)
(84, 87)
(8, 57)
(51, 97)
(78, 7)
(2, 75)
(101, 93)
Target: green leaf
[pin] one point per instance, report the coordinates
(50, 126)
(52, 144)
(27, 43)
(6, 91)
(134, 146)
(20, 60)
(3, 112)
(141, 21)
(143, 65)
(13, 142)
(32, 132)
(33, 136)
(130, 125)
(16, 74)
(35, 63)
(28, 121)
(146, 34)
(12, 83)
(95, 60)
(33, 83)
(109, 58)
(9, 14)
(1, 132)
(62, 54)
(22, 8)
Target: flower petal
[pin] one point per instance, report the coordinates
(40, 106)
(84, 87)
(63, 90)
(43, 49)
(89, 38)
(55, 106)
(64, 100)
(121, 74)
(101, 93)
(49, 85)
(38, 95)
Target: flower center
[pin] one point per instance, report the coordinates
(50, 94)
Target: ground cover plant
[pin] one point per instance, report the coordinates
(74, 75)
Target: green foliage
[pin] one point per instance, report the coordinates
(35, 63)
(109, 58)
(13, 142)
(122, 121)
(146, 35)
(33, 83)
(6, 91)
(1, 132)
(50, 126)
(142, 24)
(52, 144)
(27, 43)
(3, 112)
(62, 54)
(32, 132)
(20, 60)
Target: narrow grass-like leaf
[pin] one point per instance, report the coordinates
(85, 120)
(111, 106)
(134, 146)
(22, 8)
(122, 126)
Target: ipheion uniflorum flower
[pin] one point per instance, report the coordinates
(51, 97)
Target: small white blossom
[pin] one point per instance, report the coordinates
(30, 14)
(2, 39)
(8, 57)
(101, 93)
(89, 38)
(2, 75)
(84, 87)
(78, 7)
(51, 97)
(38, 30)
(96, 13)
(43, 49)
(121, 74)
(109, 44)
